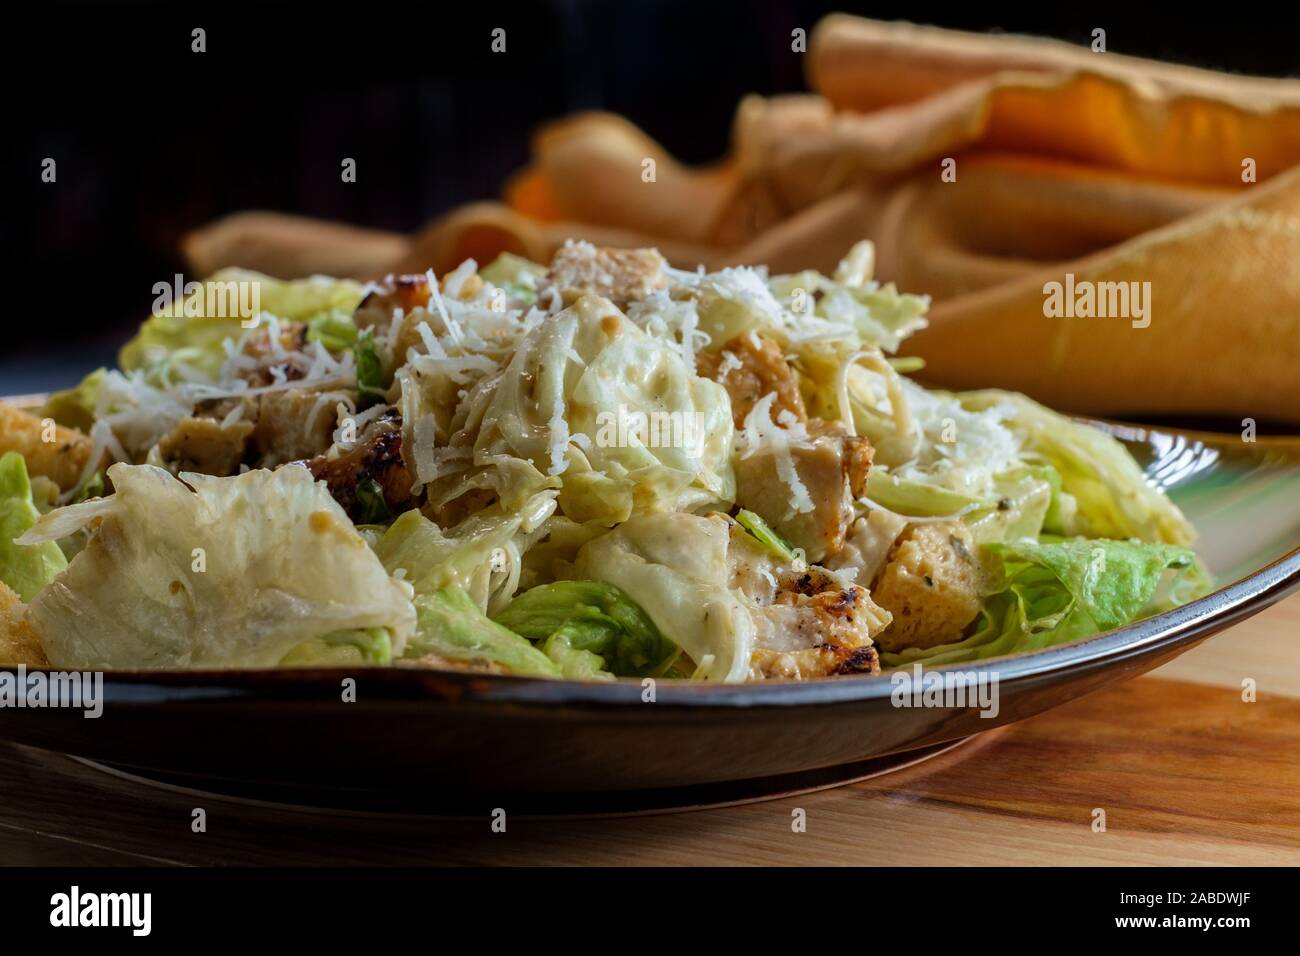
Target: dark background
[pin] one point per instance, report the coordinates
(152, 140)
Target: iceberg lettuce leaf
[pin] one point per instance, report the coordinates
(1103, 491)
(1058, 590)
(568, 403)
(210, 572)
(372, 645)
(675, 567)
(916, 498)
(592, 618)
(25, 568)
(516, 275)
(477, 556)
(453, 626)
(192, 331)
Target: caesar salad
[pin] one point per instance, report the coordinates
(598, 467)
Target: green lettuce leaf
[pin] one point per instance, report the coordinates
(26, 569)
(450, 624)
(574, 618)
(1103, 492)
(372, 645)
(574, 661)
(184, 333)
(916, 498)
(516, 275)
(374, 507)
(75, 407)
(370, 369)
(1059, 590)
(334, 329)
(765, 534)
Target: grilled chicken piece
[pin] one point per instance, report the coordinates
(750, 367)
(285, 425)
(62, 460)
(824, 660)
(292, 425)
(932, 585)
(808, 623)
(410, 294)
(831, 464)
(205, 446)
(833, 622)
(377, 455)
(621, 275)
(259, 346)
(407, 293)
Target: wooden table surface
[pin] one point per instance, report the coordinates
(1186, 771)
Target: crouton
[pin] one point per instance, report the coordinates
(932, 584)
(61, 459)
(18, 641)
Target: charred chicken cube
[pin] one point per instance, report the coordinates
(373, 464)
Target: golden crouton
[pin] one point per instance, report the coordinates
(61, 459)
(931, 584)
(18, 641)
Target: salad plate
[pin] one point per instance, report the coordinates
(595, 525)
(490, 737)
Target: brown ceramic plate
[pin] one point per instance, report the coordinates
(428, 734)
